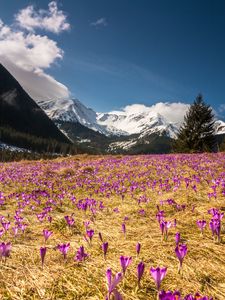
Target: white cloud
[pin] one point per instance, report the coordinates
(28, 51)
(53, 20)
(27, 55)
(100, 23)
(38, 84)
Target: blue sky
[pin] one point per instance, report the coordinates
(122, 52)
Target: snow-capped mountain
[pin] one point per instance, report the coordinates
(133, 119)
(125, 129)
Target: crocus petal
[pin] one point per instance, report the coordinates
(109, 276)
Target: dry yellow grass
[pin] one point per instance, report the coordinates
(21, 276)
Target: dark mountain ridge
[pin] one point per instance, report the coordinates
(21, 113)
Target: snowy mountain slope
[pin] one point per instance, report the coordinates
(71, 111)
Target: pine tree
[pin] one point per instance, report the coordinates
(197, 132)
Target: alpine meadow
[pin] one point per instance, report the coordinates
(89, 214)
(112, 150)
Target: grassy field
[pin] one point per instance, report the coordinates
(101, 193)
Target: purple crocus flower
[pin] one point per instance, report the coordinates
(158, 274)
(181, 251)
(64, 248)
(218, 216)
(5, 249)
(90, 234)
(138, 248)
(6, 225)
(43, 253)
(105, 248)
(22, 227)
(169, 295)
(212, 211)
(201, 225)
(197, 296)
(81, 255)
(164, 226)
(112, 284)
(116, 210)
(86, 224)
(177, 238)
(47, 234)
(140, 271)
(189, 297)
(125, 261)
(69, 220)
(160, 215)
(141, 212)
(215, 226)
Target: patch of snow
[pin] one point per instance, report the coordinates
(125, 145)
(13, 148)
(84, 141)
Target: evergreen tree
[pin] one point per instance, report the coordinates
(197, 132)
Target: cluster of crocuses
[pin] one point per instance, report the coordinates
(63, 248)
(158, 274)
(173, 203)
(19, 225)
(215, 223)
(168, 295)
(69, 220)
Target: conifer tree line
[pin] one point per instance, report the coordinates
(197, 133)
(36, 144)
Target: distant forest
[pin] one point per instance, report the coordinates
(38, 146)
